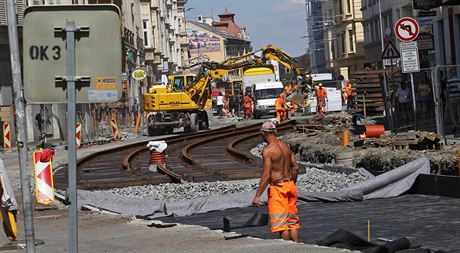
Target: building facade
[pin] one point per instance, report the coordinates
(335, 35)
(349, 37)
(209, 43)
(315, 35)
(166, 45)
(378, 29)
(153, 38)
(437, 47)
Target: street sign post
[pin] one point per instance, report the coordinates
(65, 47)
(390, 51)
(98, 53)
(21, 125)
(409, 57)
(407, 29)
(410, 64)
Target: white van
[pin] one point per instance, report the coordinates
(264, 98)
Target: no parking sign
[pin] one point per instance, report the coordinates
(407, 29)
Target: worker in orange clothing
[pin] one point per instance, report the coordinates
(321, 97)
(349, 94)
(288, 90)
(248, 106)
(280, 171)
(280, 107)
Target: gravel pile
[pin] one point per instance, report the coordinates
(314, 180)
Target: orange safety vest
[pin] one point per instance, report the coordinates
(321, 93)
(348, 90)
(247, 102)
(279, 104)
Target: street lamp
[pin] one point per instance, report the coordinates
(381, 30)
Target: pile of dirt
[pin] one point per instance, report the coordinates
(323, 148)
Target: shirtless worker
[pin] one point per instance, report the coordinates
(280, 171)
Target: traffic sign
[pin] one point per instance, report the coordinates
(426, 4)
(390, 51)
(425, 41)
(124, 76)
(409, 57)
(139, 74)
(97, 53)
(406, 29)
(427, 14)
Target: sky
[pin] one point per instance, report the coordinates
(278, 22)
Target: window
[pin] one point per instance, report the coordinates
(333, 50)
(267, 93)
(342, 40)
(351, 41)
(340, 7)
(145, 29)
(348, 6)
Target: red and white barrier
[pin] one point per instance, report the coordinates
(6, 136)
(115, 131)
(78, 135)
(44, 187)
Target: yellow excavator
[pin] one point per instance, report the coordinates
(170, 109)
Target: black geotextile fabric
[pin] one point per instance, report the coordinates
(346, 240)
(431, 220)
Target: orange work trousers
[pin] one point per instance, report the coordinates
(281, 115)
(282, 206)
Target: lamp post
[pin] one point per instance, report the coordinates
(381, 31)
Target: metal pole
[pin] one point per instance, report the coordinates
(21, 126)
(72, 152)
(436, 87)
(414, 104)
(381, 31)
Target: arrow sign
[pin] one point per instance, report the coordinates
(406, 29)
(390, 51)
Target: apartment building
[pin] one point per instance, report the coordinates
(153, 38)
(349, 37)
(315, 35)
(335, 35)
(165, 40)
(443, 47)
(377, 32)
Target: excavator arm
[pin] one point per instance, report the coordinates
(195, 95)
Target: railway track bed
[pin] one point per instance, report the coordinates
(221, 154)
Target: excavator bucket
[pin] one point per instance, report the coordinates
(297, 98)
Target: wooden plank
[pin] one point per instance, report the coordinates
(367, 85)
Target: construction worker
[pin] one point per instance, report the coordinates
(349, 94)
(248, 106)
(280, 107)
(288, 90)
(321, 97)
(280, 171)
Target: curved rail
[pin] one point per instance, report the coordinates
(104, 169)
(231, 148)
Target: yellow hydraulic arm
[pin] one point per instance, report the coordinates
(195, 95)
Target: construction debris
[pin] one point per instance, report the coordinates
(408, 140)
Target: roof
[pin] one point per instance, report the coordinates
(215, 30)
(226, 13)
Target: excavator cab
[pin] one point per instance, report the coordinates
(177, 83)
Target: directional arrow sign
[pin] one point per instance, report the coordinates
(390, 51)
(406, 29)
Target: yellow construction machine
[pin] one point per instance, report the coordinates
(169, 109)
